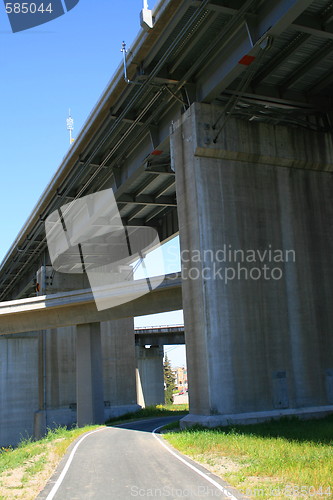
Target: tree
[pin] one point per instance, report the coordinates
(169, 381)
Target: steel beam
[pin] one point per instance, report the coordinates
(166, 201)
(313, 61)
(313, 25)
(269, 94)
(273, 20)
(281, 58)
(190, 43)
(322, 83)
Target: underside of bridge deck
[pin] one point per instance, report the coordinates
(225, 139)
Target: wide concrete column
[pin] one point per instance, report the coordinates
(255, 215)
(118, 352)
(149, 375)
(89, 376)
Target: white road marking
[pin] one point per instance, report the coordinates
(60, 479)
(225, 491)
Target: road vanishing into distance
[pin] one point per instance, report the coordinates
(131, 461)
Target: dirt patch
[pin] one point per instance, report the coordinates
(13, 484)
(217, 464)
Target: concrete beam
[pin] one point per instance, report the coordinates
(261, 143)
(78, 307)
(160, 335)
(162, 339)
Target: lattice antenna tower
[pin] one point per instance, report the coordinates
(70, 126)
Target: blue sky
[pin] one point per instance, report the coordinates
(46, 70)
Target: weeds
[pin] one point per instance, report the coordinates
(290, 454)
(25, 469)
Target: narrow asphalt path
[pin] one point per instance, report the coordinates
(128, 462)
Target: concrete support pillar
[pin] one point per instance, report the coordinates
(89, 377)
(255, 215)
(150, 375)
(56, 379)
(118, 348)
(40, 420)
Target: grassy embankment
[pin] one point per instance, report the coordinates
(24, 470)
(285, 459)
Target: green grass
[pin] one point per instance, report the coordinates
(27, 449)
(150, 412)
(265, 459)
(28, 463)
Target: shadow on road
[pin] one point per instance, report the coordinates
(146, 425)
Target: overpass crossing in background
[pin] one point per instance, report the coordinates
(160, 335)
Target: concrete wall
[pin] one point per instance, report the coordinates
(19, 390)
(60, 367)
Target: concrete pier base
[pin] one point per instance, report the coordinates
(255, 214)
(254, 417)
(115, 411)
(150, 375)
(52, 418)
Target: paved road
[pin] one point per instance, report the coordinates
(128, 462)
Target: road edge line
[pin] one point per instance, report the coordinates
(64, 471)
(224, 490)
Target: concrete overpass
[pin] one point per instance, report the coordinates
(225, 138)
(78, 306)
(160, 335)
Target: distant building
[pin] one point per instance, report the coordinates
(181, 378)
